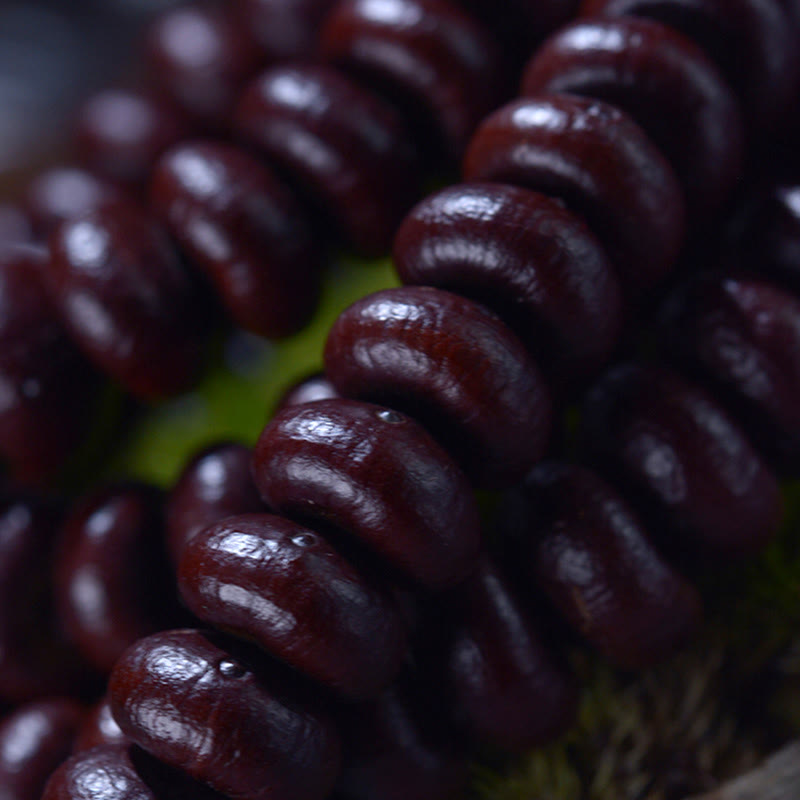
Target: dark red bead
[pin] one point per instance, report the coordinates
(396, 747)
(112, 581)
(344, 148)
(428, 56)
(504, 687)
(308, 390)
(377, 476)
(667, 84)
(49, 391)
(201, 56)
(238, 223)
(36, 659)
(34, 740)
(601, 164)
(586, 549)
(285, 30)
(752, 41)
(682, 461)
(64, 193)
(282, 586)
(451, 364)
(198, 709)
(528, 259)
(121, 132)
(128, 301)
(215, 484)
(99, 729)
(741, 337)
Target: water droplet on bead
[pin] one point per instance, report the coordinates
(387, 415)
(304, 539)
(231, 669)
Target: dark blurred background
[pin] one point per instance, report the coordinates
(52, 54)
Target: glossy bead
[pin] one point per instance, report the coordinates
(377, 476)
(121, 772)
(196, 708)
(308, 390)
(528, 259)
(111, 540)
(751, 41)
(34, 740)
(667, 84)
(585, 548)
(600, 163)
(741, 336)
(215, 484)
(120, 133)
(99, 729)
(343, 147)
(127, 300)
(396, 747)
(235, 221)
(682, 461)
(429, 57)
(201, 57)
(285, 31)
(505, 689)
(282, 586)
(64, 193)
(36, 659)
(15, 225)
(49, 391)
(454, 366)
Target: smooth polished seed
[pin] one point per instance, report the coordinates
(386, 484)
(239, 224)
(99, 729)
(128, 301)
(601, 164)
(453, 365)
(344, 148)
(112, 581)
(275, 583)
(238, 735)
(527, 258)
(428, 57)
(582, 545)
(667, 84)
(308, 390)
(682, 461)
(216, 483)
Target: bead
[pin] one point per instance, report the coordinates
(99, 729)
(235, 734)
(128, 301)
(49, 391)
(376, 476)
(453, 365)
(278, 584)
(741, 336)
(64, 193)
(428, 57)
(600, 163)
(285, 31)
(682, 461)
(666, 84)
(503, 686)
(585, 548)
(750, 40)
(34, 740)
(308, 390)
(120, 133)
(235, 221)
(111, 539)
(215, 484)
(527, 258)
(343, 147)
(201, 57)
(396, 747)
